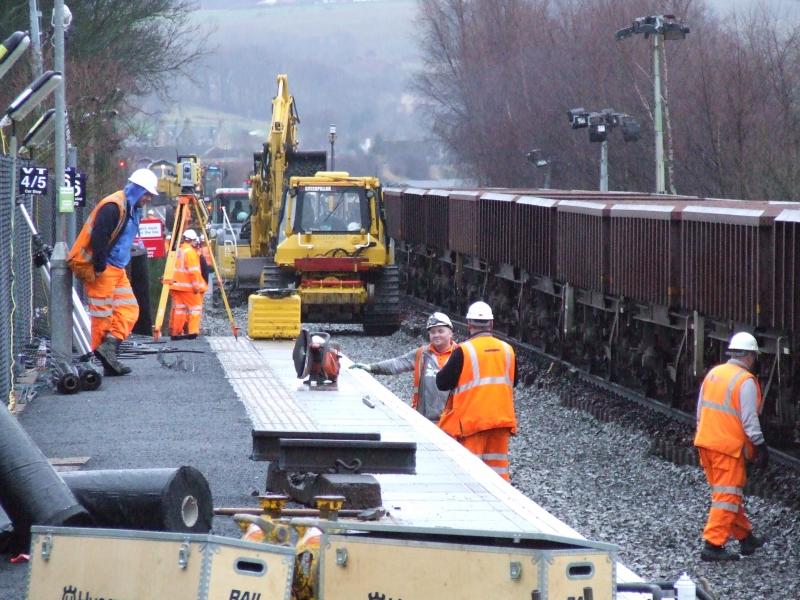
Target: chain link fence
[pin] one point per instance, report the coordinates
(23, 290)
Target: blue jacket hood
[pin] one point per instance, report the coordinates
(133, 193)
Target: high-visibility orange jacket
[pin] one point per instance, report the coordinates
(484, 396)
(187, 277)
(720, 424)
(80, 255)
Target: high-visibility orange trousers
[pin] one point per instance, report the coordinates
(112, 305)
(195, 314)
(491, 446)
(186, 313)
(727, 476)
(179, 314)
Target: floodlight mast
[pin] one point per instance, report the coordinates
(660, 27)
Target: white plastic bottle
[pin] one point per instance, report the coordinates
(685, 588)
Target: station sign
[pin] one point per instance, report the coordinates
(151, 236)
(77, 181)
(32, 180)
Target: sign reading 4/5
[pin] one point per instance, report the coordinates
(77, 181)
(32, 180)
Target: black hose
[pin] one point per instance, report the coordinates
(65, 376)
(640, 587)
(90, 379)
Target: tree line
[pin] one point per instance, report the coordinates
(500, 75)
(117, 52)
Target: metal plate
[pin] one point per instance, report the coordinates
(347, 456)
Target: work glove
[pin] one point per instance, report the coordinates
(762, 458)
(363, 366)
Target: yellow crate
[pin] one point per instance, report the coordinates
(273, 315)
(72, 563)
(461, 564)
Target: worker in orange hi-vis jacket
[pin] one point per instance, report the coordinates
(98, 258)
(481, 375)
(728, 435)
(186, 290)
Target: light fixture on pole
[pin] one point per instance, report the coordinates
(332, 139)
(11, 49)
(40, 133)
(33, 95)
(600, 125)
(660, 27)
(540, 161)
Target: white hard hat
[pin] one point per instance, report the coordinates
(145, 178)
(743, 342)
(438, 318)
(189, 234)
(480, 311)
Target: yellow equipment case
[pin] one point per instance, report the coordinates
(385, 561)
(71, 563)
(273, 314)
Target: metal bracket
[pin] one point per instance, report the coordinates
(515, 570)
(341, 557)
(47, 546)
(183, 554)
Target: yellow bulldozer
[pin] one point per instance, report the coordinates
(317, 238)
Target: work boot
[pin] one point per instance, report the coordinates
(107, 353)
(750, 544)
(710, 552)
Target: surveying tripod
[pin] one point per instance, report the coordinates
(187, 202)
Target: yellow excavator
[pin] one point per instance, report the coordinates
(318, 237)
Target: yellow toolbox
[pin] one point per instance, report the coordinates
(72, 563)
(273, 314)
(463, 564)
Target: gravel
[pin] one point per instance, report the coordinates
(601, 479)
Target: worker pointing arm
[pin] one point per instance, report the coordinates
(425, 361)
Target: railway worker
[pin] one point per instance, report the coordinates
(98, 258)
(425, 361)
(481, 375)
(728, 434)
(186, 291)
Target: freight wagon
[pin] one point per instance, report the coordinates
(643, 289)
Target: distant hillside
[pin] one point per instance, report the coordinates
(348, 64)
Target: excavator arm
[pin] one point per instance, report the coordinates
(269, 178)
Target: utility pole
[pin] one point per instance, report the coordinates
(332, 138)
(658, 117)
(36, 40)
(61, 276)
(604, 166)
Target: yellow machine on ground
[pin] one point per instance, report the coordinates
(229, 211)
(321, 234)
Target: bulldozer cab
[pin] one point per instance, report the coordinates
(326, 209)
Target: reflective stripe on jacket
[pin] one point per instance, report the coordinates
(80, 255)
(484, 396)
(720, 424)
(427, 398)
(186, 276)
